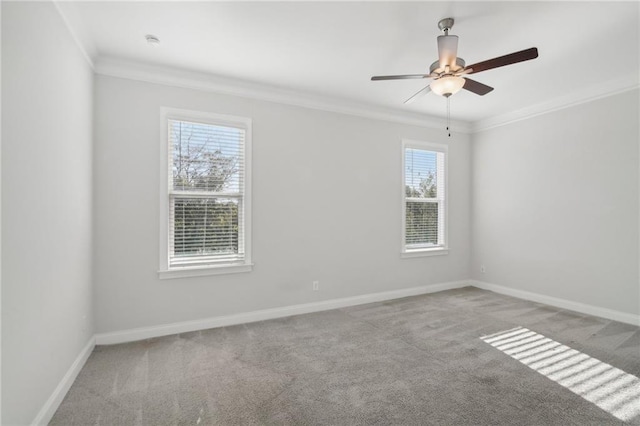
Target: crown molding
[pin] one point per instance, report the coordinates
(227, 86)
(588, 94)
(70, 20)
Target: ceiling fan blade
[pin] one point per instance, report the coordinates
(399, 77)
(476, 87)
(501, 61)
(420, 93)
(447, 50)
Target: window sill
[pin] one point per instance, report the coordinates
(439, 251)
(204, 271)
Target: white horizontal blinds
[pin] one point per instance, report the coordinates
(205, 231)
(206, 157)
(424, 198)
(206, 190)
(441, 194)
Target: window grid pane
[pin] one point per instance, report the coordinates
(421, 173)
(421, 225)
(205, 159)
(424, 192)
(205, 228)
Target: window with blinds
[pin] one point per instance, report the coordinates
(424, 207)
(206, 198)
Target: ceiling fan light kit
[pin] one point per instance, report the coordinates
(447, 86)
(449, 72)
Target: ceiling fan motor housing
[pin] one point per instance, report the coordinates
(435, 67)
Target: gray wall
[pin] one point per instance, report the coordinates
(326, 206)
(554, 209)
(46, 206)
(555, 204)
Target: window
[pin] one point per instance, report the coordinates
(205, 200)
(424, 204)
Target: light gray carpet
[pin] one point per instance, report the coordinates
(412, 361)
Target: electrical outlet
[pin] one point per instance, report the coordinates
(483, 269)
(316, 285)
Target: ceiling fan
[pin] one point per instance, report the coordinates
(449, 72)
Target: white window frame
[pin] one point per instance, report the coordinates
(166, 271)
(441, 249)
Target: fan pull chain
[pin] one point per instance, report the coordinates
(449, 115)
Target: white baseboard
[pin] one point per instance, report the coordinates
(52, 404)
(266, 314)
(54, 401)
(560, 303)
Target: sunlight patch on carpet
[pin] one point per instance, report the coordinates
(610, 388)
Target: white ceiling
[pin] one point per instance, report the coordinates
(333, 48)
